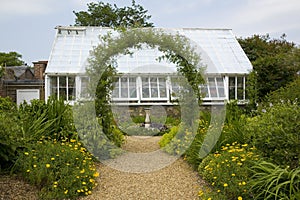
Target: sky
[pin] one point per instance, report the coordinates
(28, 26)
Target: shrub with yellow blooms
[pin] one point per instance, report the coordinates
(60, 170)
(227, 171)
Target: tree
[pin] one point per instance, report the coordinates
(11, 59)
(106, 15)
(274, 63)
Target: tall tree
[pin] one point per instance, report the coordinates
(274, 63)
(107, 15)
(11, 59)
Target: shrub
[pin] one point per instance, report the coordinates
(270, 181)
(226, 171)
(59, 169)
(275, 133)
(166, 138)
(10, 132)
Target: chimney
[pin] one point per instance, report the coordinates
(39, 69)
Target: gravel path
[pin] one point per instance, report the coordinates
(174, 181)
(145, 173)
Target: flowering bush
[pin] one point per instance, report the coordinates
(275, 133)
(59, 169)
(227, 171)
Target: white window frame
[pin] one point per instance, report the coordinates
(158, 98)
(128, 98)
(58, 77)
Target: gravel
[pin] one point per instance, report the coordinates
(177, 180)
(143, 172)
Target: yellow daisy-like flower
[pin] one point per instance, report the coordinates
(96, 174)
(48, 165)
(52, 158)
(26, 153)
(72, 140)
(34, 166)
(240, 198)
(232, 174)
(200, 193)
(28, 170)
(66, 192)
(225, 185)
(209, 198)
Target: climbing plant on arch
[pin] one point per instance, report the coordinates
(102, 64)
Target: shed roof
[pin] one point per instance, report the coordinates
(219, 49)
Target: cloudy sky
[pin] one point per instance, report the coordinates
(27, 26)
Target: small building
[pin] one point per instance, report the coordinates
(24, 83)
(142, 79)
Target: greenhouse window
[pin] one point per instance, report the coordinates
(63, 87)
(154, 88)
(124, 88)
(237, 88)
(214, 88)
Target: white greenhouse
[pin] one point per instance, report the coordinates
(142, 79)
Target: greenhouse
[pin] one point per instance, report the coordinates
(143, 80)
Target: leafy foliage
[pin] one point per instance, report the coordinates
(275, 63)
(227, 170)
(270, 181)
(288, 94)
(59, 169)
(11, 59)
(107, 15)
(275, 133)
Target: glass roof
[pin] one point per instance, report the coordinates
(218, 48)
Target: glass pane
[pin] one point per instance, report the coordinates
(145, 87)
(71, 88)
(162, 87)
(53, 86)
(132, 87)
(175, 86)
(124, 87)
(115, 92)
(220, 85)
(154, 88)
(212, 87)
(231, 88)
(204, 91)
(62, 87)
(62, 81)
(240, 88)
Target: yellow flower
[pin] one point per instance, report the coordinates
(34, 166)
(48, 165)
(200, 193)
(28, 170)
(78, 191)
(225, 185)
(232, 174)
(55, 186)
(209, 198)
(72, 140)
(89, 192)
(240, 198)
(52, 158)
(26, 153)
(243, 183)
(244, 145)
(83, 183)
(96, 174)
(219, 191)
(66, 192)
(82, 171)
